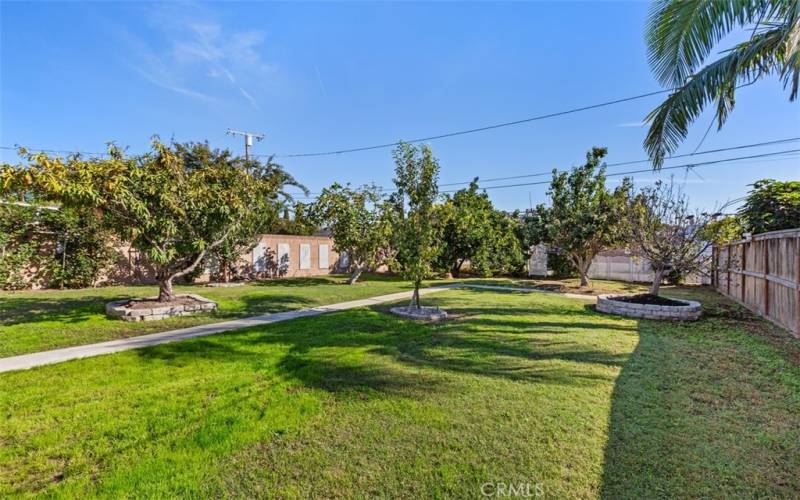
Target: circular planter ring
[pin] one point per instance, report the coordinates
(691, 311)
(421, 313)
(119, 309)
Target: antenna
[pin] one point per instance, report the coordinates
(248, 140)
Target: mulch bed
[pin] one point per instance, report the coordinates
(151, 304)
(650, 299)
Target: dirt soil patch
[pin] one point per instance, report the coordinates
(151, 304)
(648, 298)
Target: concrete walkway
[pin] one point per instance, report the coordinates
(26, 361)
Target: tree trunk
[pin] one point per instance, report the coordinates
(165, 277)
(356, 274)
(165, 292)
(415, 296)
(456, 269)
(658, 276)
(224, 270)
(583, 271)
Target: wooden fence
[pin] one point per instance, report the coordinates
(763, 274)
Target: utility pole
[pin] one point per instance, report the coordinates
(248, 140)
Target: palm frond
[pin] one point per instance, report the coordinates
(717, 82)
(680, 34)
(790, 74)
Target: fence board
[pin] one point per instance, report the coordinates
(763, 274)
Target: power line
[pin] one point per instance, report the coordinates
(617, 174)
(429, 138)
(619, 164)
(423, 139)
(478, 129)
(60, 151)
(648, 170)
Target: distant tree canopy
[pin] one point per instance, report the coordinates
(359, 223)
(466, 220)
(723, 230)
(506, 255)
(263, 218)
(297, 220)
(583, 218)
(415, 236)
(174, 204)
(473, 231)
(771, 206)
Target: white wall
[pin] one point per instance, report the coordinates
(622, 268)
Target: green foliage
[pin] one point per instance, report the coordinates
(173, 204)
(682, 34)
(415, 233)
(63, 248)
(473, 231)
(301, 224)
(560, 265)
(723, 230)
(584, 218)
(359, 223)
(263, 218)
(771, 206)
(505, 256)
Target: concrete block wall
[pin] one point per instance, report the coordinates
(268, 254)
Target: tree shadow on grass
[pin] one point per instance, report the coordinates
(330, 279)
(16, 310)
(302, 358)
(518, 357)
(254, 305)
(296, 282)
(399, 355)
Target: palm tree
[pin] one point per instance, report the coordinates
(259, 221)
(680, 37)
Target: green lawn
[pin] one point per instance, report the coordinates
(572, 285)
(516, 388)
(39, 320)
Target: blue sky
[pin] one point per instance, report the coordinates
(326, 76)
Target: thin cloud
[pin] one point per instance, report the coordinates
(154, 68)
(249, 98)
(155, 80)
(196, 50)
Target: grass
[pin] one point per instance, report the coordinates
(39, 320)
(573, 285)
(516, 388)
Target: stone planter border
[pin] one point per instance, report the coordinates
(689, 312)
(423, 313)
(118, 309)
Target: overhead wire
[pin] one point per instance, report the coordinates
(477, 129)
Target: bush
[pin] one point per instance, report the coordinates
(560, 265)
(64, 248)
